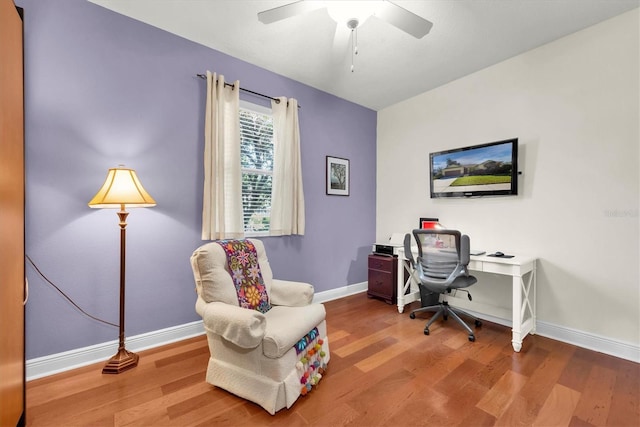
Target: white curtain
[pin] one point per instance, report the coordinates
(287, 196)
(222, 200)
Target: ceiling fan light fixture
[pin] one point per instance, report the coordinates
(350, 12)
(359, 10)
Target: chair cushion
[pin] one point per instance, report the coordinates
(242, 261)
(287, 325)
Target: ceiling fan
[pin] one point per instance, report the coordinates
(352, 13)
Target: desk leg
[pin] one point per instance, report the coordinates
(402, 264)
(516, 331)
(524, 308)
(404, 298)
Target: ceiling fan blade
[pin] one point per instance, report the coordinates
(404, 20)
(287, 11)
(341, 44)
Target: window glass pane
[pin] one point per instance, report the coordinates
(256, 153)
(256, 201)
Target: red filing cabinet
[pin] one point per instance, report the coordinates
(383, 272)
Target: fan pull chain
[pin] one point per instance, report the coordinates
(355, 49)
(354, 45)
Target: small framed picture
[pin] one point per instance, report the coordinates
(337, 176)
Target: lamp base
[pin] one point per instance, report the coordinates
(120, 362)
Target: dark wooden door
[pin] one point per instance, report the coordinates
(12, 284)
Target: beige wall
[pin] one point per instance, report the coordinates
(573, 104)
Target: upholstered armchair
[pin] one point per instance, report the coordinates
(268, 349)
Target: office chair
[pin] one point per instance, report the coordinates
(443, 256)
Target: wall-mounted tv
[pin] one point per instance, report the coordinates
(480, 170)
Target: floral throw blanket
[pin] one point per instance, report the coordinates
(242, 259)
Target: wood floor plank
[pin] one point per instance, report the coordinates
(459, 377)
(501, 395)
(491, 372)
(478, 418)
(418, 408)
(461, 406)
(558, 408)
(546, 375)
(190, 412)
(361, 343)
(625, 402)
(595, 400)
(435, 364)
(372, 403)
(383, 372)
(337, 335)
(573, 375)
(578, 422)
(158, 407)
(390, 353)
(336, 388)
(342, 415)
(521, 412)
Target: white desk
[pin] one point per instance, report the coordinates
(522, 270)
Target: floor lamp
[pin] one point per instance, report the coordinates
(121, 189)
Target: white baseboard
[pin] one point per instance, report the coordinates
(337, 293)
(60, 362)
(623, 350)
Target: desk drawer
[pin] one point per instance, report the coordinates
(506, 269)
(381, 284)
(382, 278)
(384, 263)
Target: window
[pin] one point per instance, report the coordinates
(256, 159)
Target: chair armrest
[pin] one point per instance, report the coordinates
(291, 294)
(243, 327)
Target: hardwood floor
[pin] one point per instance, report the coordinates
(383, 372)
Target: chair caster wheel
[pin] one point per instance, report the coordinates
(412, 315)
(426, 331)
(478, 323)
(445, 318)
(472, 338)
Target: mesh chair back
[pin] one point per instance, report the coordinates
(443, 256)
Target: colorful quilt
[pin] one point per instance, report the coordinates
(242, 259)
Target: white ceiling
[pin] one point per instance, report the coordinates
(467, 35)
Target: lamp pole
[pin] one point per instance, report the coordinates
(124, 359)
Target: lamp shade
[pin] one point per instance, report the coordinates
(122, 187)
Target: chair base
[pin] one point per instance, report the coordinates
(274, 384)
(443, 309)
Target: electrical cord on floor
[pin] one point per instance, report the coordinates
(65, 295)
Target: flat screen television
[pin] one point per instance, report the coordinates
(480, 170)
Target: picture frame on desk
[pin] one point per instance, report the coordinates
(337, 176)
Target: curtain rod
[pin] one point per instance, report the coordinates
(203, 76)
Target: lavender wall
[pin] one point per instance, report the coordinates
(102, 90)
